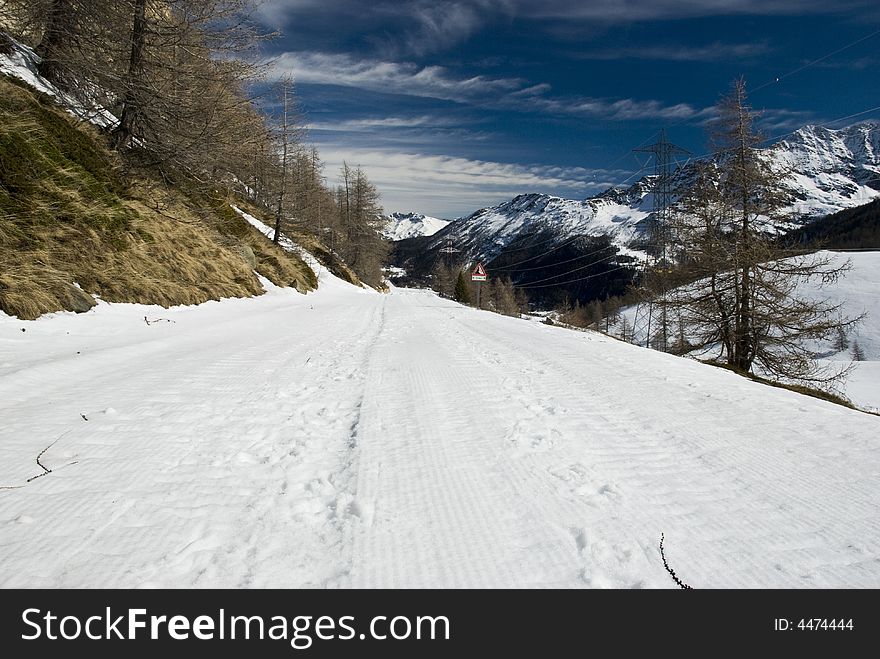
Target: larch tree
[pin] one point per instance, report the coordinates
(745, 298)
(360, 216)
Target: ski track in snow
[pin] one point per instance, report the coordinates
(351, 439)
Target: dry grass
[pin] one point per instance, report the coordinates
(68, 216)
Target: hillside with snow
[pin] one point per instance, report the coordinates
(824, 171)
(857, 292)
(400, 226)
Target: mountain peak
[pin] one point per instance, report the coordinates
(399, 226)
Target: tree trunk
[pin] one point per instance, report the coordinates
(279, 212)
(60, 30)
(124, 132)
(743, 357)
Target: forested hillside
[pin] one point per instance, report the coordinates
(853, 228)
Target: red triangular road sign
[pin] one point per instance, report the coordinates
(479, 271)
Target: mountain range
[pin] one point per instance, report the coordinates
(825, 171)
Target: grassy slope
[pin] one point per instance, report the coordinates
(67, 216)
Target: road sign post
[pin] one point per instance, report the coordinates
(479, 276)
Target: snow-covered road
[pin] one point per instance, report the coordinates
(348, 438)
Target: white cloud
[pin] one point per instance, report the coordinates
(382, 76)
(438, 82)
(451, 186)
(441, 25)
(427, 25)
(380, 123)
(616, 11)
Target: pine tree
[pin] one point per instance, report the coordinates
(841, 341)
(441, 280)
(462, 290)
(858, 354)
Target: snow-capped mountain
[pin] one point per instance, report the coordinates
(400, 226)
(825, 170)
(483, 235)
(830, 170)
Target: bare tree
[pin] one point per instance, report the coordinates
(131, 105)
(361, 218)
(746, 298)
(285, 137)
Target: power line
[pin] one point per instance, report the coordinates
(565, 274)
(550, 251)
(574, 281)
(816, 61)
(540, 284)
(792, 132)
(763, 86)
(576, 258)
(533, 245)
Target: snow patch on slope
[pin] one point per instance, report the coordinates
(483, 235)
(824, 170)
(830, 170)
(322, 273)
(22, 64)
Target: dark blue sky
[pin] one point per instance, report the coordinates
(451, 106)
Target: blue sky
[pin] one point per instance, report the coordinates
(455, 105)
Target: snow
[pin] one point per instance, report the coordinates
(324, 275)
(400, 226)
(347, 438)
(858, 293)
(485, 234)
(22, 64)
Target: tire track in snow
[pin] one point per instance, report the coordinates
(671, 445)
(213, 498)
(444, 512)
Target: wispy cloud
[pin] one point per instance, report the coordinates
(379, 123)
(393, 77)
(440, 25)
(640, 10)
(624, 109)
(714, 52)
(773, 122)
(418, 27)
(517, 94)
